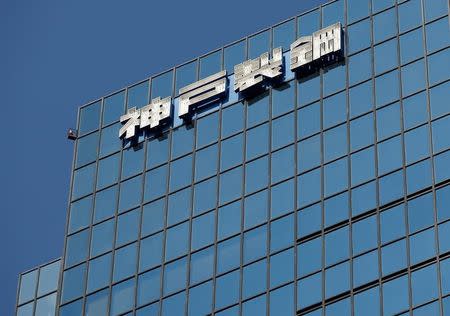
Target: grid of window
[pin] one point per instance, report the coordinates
(37, 290)
(322, 194)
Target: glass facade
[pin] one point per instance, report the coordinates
(322, 195)
(37, 290)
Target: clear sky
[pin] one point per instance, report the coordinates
(56, 55)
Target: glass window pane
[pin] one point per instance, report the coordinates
(205, 196)
(283, 99)
(28, 284)
(87, 148)
(233, 55)
(77, 248)
(108, 171)
(99, 272)
(388, 121)
(177, 240)
(185, 75)
(258, 44)
(203, 231)
(73, 283)
(332, 13)
(202, 264)
(125, 262)
(390, 155)
(309, 89)
(384, 25)
(151, 252)
(336, 246)
(152, 217)
(102, 237)
(357, 9)
(175, 274)
(232, 119)
(424, 285)
(48, 278)
(207, 129)
(415, 110)
(392, 224)
(357, 36)
(284, 35)
(256, 175)
(256, 209)
(113, 107)
(334, 110)
(385, 56)
(80, 214)
(436, 65)
(386, 88)
(230, 185)
(182, 141)
(413, 77)
(411, 46)
(257, 141)
(309, 187)
(210, 64)
(395, 295)
(360, 99)
(180, 173)
(393, 257)
(130, 193)
(122, 298)
(417, 144)
(255, 244)
(231, 151)
(179, 207)
(409, 15)
(89, 118)
(434, 9)
(360, 66)
(308, 120)
(109, 142)
(228, 255)
(148, 286)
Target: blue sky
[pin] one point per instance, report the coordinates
(57, 55)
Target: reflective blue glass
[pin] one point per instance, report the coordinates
(365, 268)
(368, 302)
(341, 307)
(417, 144)
(333, 79)
(231, 151)
(73, 283)
(308, 23)
(411, 46)
(337, 280)
(336, 246)
(360, 99)
(255, 244)
(109, 142)
(256, 174)
(424, 285)
(210, 64)
(378, 5)
(108, 171)
(87, 148)
(413, 77)
(283, 164)
(388, 121)
(48, 278)
(152, 217)
(233, 55)
(308, 187)
(232, 119)
(89, 118)
(364, 235)
(80, 214)
(99, 272)
(125, 262)
(282, 232)
(441, 172)
(256, 209)
(309, 152)
(205, 195)
(257, 142)
(395, 295)
(177, 240)
(72, 309)
(255, 306)
(440, 129)
(151, 250)
(418, 176)
(254, 279)
(28, 284)
(175, 274)
(392, 224)
(364, 198)
(258, 109)
(97, 304)
(182, 141)
(384, 25)
(308, 120)
(308, 89)
(132, 161)
(200, 299)
(258, 44)
(282, 201)
(385, 56)
(335, 143)
(386, 88)
(438, 35)
(362, 166)
(283, 131)
(174, 305)
(336, 209)
(390, 155)
(283, 99)
(357, 10)
(185, 75)
(128, 227)
(282, 301)
(179, 207)
(282, 268)
(393, 257)
(438, 98)
(207, 129)
(409, 15)
(148, 287)
(229, 220)
(122, 297)
(283, 35)
(309, 257)
(437, 63)
(180, 173)
(443, 203)
(420, 212)
(203, 231)
(336, 176)
(230, 185)
(357, 36)
(360, 66)
(415, 110)
(309, 290)
(77, 248)
(83, 181)
(137, 95)
(162, 85)
(434, 9)
(202, 265)
(228, 255)
(391, 187)
(130, 193)
(102, 237)
(155, 183)
(422, 246)
(157, 151)
(227, 289)
(334, 110)
(333, 13)
(362, 132)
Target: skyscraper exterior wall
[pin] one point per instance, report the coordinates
(324, 192)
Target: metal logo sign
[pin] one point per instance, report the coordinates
(307, 54)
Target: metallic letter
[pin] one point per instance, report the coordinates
(202, 90)
(254, 71)
(327, 41)
(301, 52)
(132, 119)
